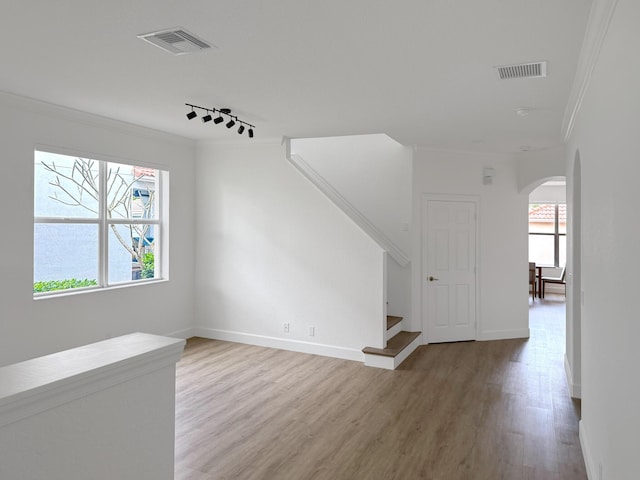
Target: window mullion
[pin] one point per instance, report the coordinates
(103, 240)
(556, 237)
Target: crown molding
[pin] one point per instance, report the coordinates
(85, 118)
(597, 27)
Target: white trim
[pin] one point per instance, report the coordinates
(59, 112)
(504, 334)
(352, 212)
(280, 343)
(596, 32)
(574, 389)
(586, 452)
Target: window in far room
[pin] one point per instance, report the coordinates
(548, 234)
(96, 223)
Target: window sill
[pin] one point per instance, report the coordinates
(86, 290)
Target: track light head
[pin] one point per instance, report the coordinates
(231, 123)
(241, 129)
(251, 133)
(191, 115)
(218, 119)
(207, 118)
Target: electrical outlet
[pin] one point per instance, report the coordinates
(312, 331)
(286, 328)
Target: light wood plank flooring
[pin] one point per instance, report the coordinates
(474, 410)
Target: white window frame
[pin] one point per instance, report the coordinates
(103, 223)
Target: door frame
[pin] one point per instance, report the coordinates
(427, 197)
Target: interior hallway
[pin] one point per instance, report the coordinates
(474, 410)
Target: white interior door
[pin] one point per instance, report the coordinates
(449, 270)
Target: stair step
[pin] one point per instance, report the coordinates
(395, 345)
(392, 321)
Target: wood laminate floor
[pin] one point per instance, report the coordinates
(473, 410)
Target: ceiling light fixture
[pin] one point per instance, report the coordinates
(233, 119)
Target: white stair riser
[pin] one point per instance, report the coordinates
(391, 363)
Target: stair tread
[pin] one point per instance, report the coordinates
(392, 321)
(395, 345)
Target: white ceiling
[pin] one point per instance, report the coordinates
(420, 71)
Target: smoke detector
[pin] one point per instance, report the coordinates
(522, 70)
(176, 41)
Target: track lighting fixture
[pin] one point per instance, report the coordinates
(210, 112)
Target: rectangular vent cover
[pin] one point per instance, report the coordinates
(176, 41)
(523, 70)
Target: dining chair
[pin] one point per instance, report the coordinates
(556, 280)
(532, 279)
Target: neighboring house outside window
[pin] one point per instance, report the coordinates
(548, 234)
(96, 223)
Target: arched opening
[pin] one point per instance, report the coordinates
(547, 231)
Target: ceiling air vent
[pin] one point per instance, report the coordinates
(176, 41)
(522, 70)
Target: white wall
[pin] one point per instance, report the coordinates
(272, 249)
(374, 174)
(606, 137)
(548, 194)
(502, 223)
(31, 328)
(537, 165)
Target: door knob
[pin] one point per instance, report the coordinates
(432, 278)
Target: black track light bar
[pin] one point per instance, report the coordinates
(209, 112)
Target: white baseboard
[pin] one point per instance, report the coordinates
(184, 333)
(281, 343)
(504, 334)
(589, 464)
(574, 389)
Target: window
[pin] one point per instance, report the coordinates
(548, 234)
(96, 223)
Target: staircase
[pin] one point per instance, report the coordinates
(400, 344)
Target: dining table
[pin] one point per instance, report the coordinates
(539, 275)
